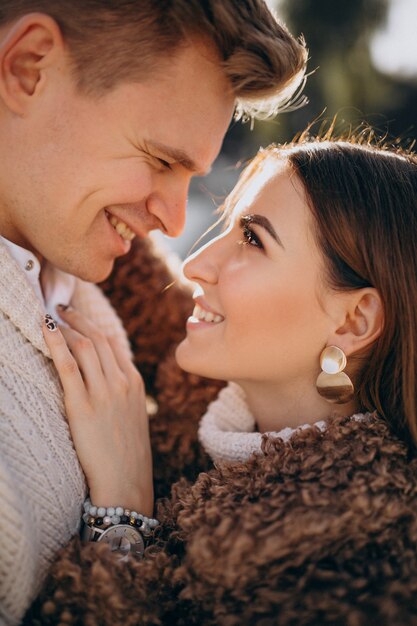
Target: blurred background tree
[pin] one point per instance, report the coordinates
(363, 67)
(348, 81)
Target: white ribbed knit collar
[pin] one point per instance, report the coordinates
(227, 429)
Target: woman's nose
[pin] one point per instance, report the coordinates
(204, 265)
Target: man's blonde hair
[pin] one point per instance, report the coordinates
(111, 41)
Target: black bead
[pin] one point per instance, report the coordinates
(138, 523)
(124, 519)
(99, 521)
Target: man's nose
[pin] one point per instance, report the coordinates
(169, 206)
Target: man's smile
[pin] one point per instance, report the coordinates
(121, 227)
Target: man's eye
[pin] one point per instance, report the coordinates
(164, 163)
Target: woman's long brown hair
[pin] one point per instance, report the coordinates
(363, 198)
(364, 201)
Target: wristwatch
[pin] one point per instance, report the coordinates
(122, 538)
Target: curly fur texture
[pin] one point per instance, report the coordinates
(320, 530)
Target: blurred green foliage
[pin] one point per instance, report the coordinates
(343, 80)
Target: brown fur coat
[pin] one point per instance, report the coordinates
(321, 530)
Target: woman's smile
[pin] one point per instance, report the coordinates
(203, 316)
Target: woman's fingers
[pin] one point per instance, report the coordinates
(64, 361)
(84, 352)
(77, 363)
(123, 359)
(85, 328)
(107, 415)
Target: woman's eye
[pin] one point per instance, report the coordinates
(249, 237)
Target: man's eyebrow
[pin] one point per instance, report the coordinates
(179, 156)
(264, 222)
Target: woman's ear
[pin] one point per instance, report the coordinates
(363, 323)
(28, 48)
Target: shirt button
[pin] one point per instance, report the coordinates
(29, 265)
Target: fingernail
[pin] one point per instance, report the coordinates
(50, 323)
(63, 307)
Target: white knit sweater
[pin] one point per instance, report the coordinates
(42, 486)
(227, 429)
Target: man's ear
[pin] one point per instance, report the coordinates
(28, 48)
(363, 322)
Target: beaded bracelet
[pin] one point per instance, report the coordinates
(111, 516)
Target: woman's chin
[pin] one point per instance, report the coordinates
(184, 359)
(188, 361)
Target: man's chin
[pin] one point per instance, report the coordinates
(98, 277)
(95, 273)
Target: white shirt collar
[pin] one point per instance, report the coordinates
(58, 286)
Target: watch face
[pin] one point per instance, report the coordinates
(124, 539)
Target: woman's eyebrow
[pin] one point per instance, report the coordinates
(264, 222)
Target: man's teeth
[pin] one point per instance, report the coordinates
(206, 316)
(121, 228)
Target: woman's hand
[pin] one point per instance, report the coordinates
(105, 405)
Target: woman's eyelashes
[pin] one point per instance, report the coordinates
(249, 236)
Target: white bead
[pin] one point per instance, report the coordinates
(115, 520)
(111, 511)
(93, 511)
(101, 511)
(119, 510)
(134, 515)
(87, 505)
(106, 520)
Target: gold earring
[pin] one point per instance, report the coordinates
(332, 383)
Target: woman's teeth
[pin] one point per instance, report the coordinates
(206, 316)
(121, 228)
